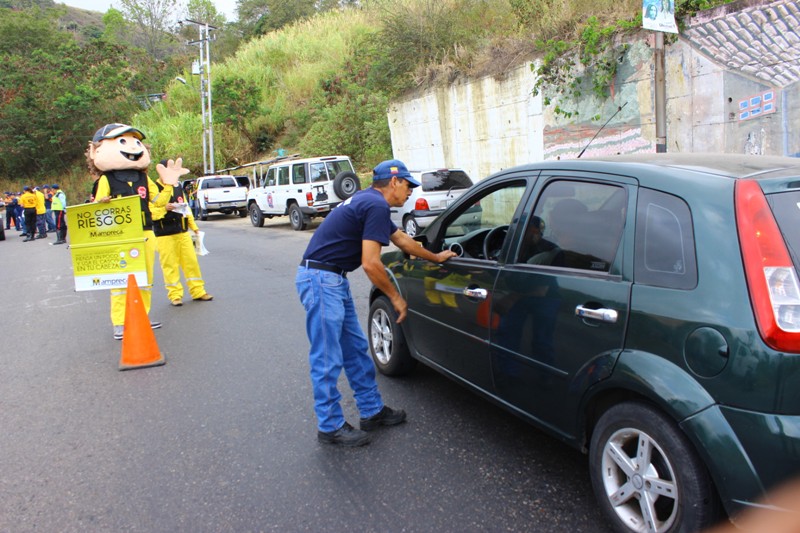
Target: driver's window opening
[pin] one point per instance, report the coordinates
(479, 230)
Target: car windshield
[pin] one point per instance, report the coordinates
(445, 180)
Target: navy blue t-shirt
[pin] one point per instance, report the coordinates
(337, 241)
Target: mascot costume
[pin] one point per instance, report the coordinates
(119, 160)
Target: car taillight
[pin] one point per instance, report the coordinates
(309, 199)
(421, 204)
(771, 276)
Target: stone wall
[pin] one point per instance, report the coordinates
(731, 86)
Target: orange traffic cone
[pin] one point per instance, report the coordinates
(139, 347)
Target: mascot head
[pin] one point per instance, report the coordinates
(117, 147)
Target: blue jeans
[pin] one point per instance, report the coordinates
(337, 341)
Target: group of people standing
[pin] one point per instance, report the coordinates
(38, 210)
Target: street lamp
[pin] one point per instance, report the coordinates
(204, 69)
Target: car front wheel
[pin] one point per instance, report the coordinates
(646, 475)
(387, 344)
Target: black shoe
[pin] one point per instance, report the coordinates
(60, 242)
(41, 236)
(27, 239)
(346, 435)
(385, 417)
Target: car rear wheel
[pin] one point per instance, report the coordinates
(297, 218)
(256, 216)
(203, 214)
(387, 344)
(646, 475)
(410, 226)
(242, 212)
(346, 184)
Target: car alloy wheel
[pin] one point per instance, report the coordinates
(646, 475)
(387, 344)
(411, 226)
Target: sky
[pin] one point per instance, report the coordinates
(228, 7)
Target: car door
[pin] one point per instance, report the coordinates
(284, 190)
(448, 303)
(560, 306)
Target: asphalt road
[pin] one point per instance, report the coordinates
(223, 438)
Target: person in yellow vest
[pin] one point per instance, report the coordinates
(59, 209)
(172, 220)
(41, 224)
(117, 156)
(28, 202)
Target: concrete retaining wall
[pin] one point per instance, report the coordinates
(731, 85)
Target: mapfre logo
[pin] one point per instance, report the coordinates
(142, 192)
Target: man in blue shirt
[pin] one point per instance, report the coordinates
(352, 235)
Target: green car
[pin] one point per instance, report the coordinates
(644, 309)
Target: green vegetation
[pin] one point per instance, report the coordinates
(319, 83)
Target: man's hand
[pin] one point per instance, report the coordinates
(444, 255)
(400, 306)
(169, 174)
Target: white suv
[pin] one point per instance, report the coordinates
(300, 188)
(439, 189)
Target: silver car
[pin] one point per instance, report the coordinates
(440, 187)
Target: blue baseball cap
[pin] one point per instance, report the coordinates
(393, 168)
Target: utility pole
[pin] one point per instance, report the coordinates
(204, 69)
(661, 91)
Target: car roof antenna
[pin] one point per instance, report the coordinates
(601, 129)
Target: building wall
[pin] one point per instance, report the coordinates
(718, 74)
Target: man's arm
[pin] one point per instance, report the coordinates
(373, 267)
(103, 194)
(410, 246)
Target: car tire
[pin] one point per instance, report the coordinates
(387, 344)
(410, 226)
(673, 487)
(297, 219)
(346, 184)
(256, 216)
(242, 212)
(203, 214)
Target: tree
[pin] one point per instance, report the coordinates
(54, 93)
(264, 16)
(116, 29)
(205, 11)
(153, 18)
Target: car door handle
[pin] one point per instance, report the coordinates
(604, 315)
(481, 294)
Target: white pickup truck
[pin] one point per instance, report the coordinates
(223, 193)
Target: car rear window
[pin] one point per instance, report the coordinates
(337, 167)
(218, 183)
(664, 249)
(444, 180)
(786, 209)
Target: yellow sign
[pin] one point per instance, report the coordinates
(107, 244)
